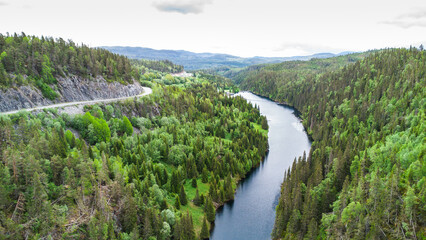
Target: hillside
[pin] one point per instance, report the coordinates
(195, 61)
(364, 177)
(42, 71)
(271, 78)
(154, 167)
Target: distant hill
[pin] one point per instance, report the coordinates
(195, 61)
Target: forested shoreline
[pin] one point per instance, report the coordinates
(364, 177)
(155, 167)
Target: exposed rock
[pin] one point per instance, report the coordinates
(71, 89)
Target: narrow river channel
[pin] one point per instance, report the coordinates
(251, 215)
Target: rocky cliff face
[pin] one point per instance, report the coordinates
(71, 89)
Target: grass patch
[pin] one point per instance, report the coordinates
(203, 188)
(196, 212)
(197, 215)
(260, 129)
(228, 141)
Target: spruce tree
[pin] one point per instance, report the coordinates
(209, 210)
(194, 182)
(174, 182)
(196, 200)
(177, 203)
(204, 176)
(205, 233)
(229, 191)
(182, 196)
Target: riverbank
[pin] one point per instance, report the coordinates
(297, 113)
(251, 214)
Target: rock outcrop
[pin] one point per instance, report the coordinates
(71, 89)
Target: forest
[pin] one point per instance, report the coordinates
(40, 61)
(164, 66)
(365, 176)
(155, 167)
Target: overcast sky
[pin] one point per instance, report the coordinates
(239, 27)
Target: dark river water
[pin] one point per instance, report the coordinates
(251, 215)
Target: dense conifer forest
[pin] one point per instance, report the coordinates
(44, 58)
(39, 61)
(165, 66)
(158, 167)
(155, 167)
(365, 175)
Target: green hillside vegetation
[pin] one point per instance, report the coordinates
(165, 66)
(365, 176)
(273, 79)
(116, 171)
(39, 61)
(151, 77)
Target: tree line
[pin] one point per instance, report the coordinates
(40, 61)
(151, 168)
(164, 66)
(364, 176)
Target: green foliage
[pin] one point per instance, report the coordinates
(362, 178)
(264, 123)
(127, 126)
(46, 90)
(165, 66)
(182, 196)
(194, 182)
(209, 210)
(94, 129)
(177, 202)
(44, 59)
(133, 184)
(205, 233)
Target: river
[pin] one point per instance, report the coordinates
(251, 215)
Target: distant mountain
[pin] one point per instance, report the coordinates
(195, 61)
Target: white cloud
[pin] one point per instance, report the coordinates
(412, 19)
(181, 6)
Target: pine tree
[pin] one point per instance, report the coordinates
(229, 191)
(128, 215)
(177, 202)
(39, 196)
(209, 210)
(197, 200)
(174, 182)
(58, 143)
(205, 233)
(188, 226)
(205, 175)
(182, 196)
(194, 182)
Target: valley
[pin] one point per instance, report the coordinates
(96, 145)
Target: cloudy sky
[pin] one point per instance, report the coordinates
(239, 27)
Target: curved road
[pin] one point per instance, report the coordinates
(146, 91)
